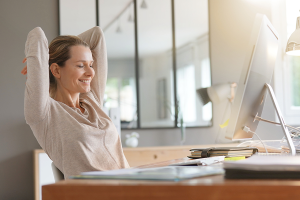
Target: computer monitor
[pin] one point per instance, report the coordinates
(257, 71)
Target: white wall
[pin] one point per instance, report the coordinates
(121, 68)
(17, 142)
(154, 68)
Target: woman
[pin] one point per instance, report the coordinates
(68, 122)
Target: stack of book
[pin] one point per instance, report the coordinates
(223, 151)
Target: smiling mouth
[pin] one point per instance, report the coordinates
(85, 81)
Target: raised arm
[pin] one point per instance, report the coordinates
(37, 84)
(95, 39)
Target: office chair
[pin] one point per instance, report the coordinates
(58, 175)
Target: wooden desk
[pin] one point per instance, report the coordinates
(147, 155)
(135, 156)
(206, 188)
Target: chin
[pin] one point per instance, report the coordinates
(85, 91)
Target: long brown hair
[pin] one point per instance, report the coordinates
(59, 53)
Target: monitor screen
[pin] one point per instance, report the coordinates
(257, 70)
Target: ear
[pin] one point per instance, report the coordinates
(55, 69)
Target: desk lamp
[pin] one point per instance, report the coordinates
(217, 93)
(293, 44)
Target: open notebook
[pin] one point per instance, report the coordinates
(173, 173)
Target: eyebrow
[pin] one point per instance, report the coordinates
(84, 61)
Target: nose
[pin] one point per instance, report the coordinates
(89, 71)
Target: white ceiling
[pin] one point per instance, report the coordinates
(74, 19)
(154, 24)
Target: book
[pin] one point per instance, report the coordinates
(223, 151)
(258, 166)
(171, 173)
(200, 161)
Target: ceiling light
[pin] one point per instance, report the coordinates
(130, 18)
(144, 5)
(118, 30)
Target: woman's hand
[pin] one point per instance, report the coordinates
(24, 70)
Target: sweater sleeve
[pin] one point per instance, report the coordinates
(37, 84)
(95, 39)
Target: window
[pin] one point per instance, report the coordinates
(186, 93)
(290, 80)
(206, 82)
(120, 92)
(149, 45)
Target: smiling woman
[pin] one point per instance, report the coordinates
(73, 77)
(67, 52)
(70, 125)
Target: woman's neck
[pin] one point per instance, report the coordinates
(70, 99)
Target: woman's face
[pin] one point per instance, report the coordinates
(77, 73)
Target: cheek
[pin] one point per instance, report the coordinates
(66, 81)
(70, 77)
(93, 72)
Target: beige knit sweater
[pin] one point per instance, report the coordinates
(75, 141)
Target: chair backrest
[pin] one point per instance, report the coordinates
(58, 175)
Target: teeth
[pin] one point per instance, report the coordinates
(85, 81)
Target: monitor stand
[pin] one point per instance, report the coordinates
(280, 117)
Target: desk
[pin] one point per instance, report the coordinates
(135, 156)
(147, 155)
(206, 188)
